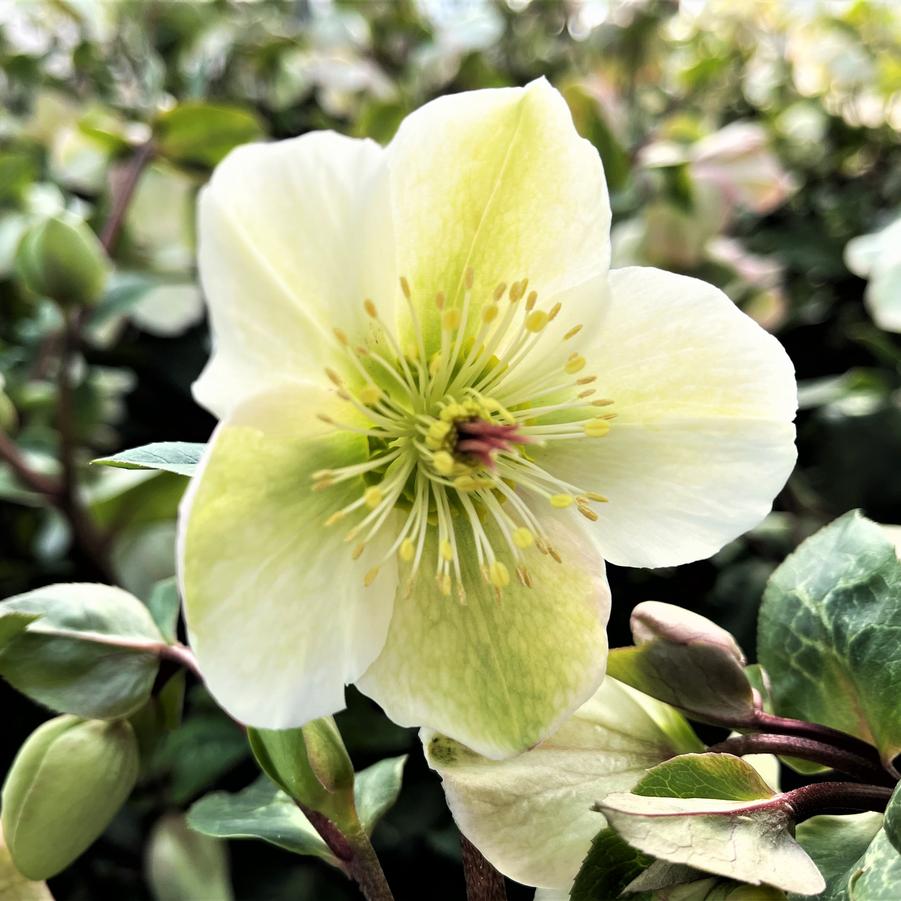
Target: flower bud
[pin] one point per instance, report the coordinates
(67, 782)
(311, 764)
(684, 659)
(61, 258)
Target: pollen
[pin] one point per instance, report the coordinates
(574, 364)
(446, 550)
(443, 462)
(371, 576)
(372, 496)
(597, 428)
(536, 321)
(451, 319)
(523, 537)
(498, 574)
(407, 550)
(370, 395)
(561, 501)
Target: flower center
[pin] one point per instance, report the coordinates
(449, 434)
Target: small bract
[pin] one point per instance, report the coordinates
(440, 413)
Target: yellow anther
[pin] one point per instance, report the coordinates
(588, 513)
(555, 309)
(594, 496)
(446, 550)
(525, 577)
(574, 364)
(531, 300)
(444, 584)
(439, 429)
(536, 320)
(523, 537)
(586, 380)
(561, 501)
(468, 483)
(439, 300)
(372, 496)
(322, 484)
(602, 402)
(597, 428)
(341, 336)
(369, 306)
(469, 278)
(371, 576)
(370, 395)
(587, 393)
(434, 363)
(361, 351)
(572, 332)
(407, 550)
(489, 313)
(499, 291)
(334, 378)
(443, 463)
(337, 516)
(357, 552)
(517, 289)
(343, 394)
(555, 554)
(405, 286)
(498, 574)
(322, 474)
(451, 319)
(323, 418)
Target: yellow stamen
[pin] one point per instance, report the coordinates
(407, 550)
(372, 496)
(371, 576)
(369, 306)
(561, 501)
(446, 550)
(523, 537)
(575, 363)
(597, 428)
(498, 574)
(370, 395)
(536, 321)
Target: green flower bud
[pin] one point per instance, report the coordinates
(67, 782)
(61, 258)
(311, 764)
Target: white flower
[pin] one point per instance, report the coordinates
(418, 352)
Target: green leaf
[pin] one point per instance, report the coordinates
(12, 624)
(203, 133)
(749, 841)
(610, 865)
(91, 652)
(180, 457)
(263, 811)
(877, 875)
(893, 819)
(687, 661)
(835, 844)
(830, 625)
(376, 790)
(163, 605)
(717, 776)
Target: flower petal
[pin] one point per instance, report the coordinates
(276, 635)
(286, 254)
(498, 674)
(531, 816)
(703, 439)
(497, 180)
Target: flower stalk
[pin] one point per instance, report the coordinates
(835, 797)
(483, 882)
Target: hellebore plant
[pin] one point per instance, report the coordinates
(440, 413)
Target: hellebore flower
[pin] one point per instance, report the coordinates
(418, 355)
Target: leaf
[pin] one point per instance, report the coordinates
(747, 841)
(13, 885)
(893, 819)
(713, 812)
(13, 623)
(203, 133)
(180, 457)
(262, 810)
(830, 626)
(610, 865)
(686, 660)
(91, 652)
(835, 844)
(163, 605)
(376, 790)
(877, 875)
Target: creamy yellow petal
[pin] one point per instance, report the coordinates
(292, 237)
(496, 673)
(276, 607)
(703, 438)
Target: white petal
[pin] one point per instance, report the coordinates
(703, 439)
(277, 612)
(532, 816)
(293, 236)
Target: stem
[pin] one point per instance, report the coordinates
(784, 725)
(25, 474)
(122, 195)
(355, 854)
(805, 749)
(483, 882)
(829, 797)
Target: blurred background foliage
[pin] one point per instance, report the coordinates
(753, 144)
